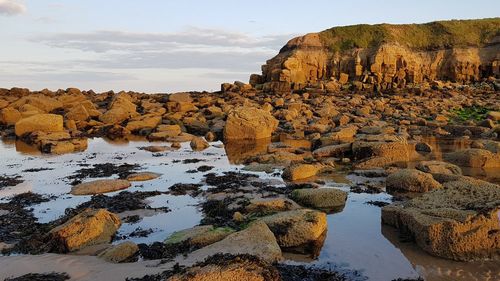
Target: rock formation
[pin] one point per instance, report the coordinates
(386, 56)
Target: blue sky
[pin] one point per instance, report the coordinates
(168, 46)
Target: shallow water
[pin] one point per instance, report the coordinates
(355, 241)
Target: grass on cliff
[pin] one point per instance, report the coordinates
(428, 36)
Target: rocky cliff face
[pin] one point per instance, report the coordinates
(386, 56)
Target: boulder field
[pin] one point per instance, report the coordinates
(365, 100)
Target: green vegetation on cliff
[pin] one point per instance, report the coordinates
(428, 36)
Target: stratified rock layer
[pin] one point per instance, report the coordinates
(387, 56)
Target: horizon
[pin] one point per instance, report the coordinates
(159, 47)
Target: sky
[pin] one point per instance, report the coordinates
(179, 45)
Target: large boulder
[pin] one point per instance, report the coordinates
(459, 222)
(99, 186)
(320, 198)
(411, 180)
(90, 227)
(249, 123)
(39, 122)
(378, 154)
(255, 240)
(474, 157)
(298, 227)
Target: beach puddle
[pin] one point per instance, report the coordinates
(356, 242)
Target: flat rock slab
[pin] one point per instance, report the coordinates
(459, 222)
(144, 176)
(99, 186)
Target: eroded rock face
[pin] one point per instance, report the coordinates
(392, 58)
(91, 227)
(39, 122)
(249, 123)
(459, 222)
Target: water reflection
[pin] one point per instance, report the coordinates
(242, 150)
(437, 269)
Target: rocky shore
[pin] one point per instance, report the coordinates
(447, 204)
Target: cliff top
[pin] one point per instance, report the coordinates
(427, 36)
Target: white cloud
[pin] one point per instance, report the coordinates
(11, 7)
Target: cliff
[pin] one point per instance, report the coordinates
(386, 56)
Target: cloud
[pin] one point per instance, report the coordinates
(11, 7)
(108, 40)
(190, 48)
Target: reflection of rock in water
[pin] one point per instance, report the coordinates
(307, 252)
(436, 269)
(239, 151)
(26, 148)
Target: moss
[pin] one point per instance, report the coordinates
(470, 113)
(428, 36)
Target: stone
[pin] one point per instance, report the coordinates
(199, 143)
(344, 78)
(411, 180)
(119, 253)
(9, 116)
(300, 171)
(143, 122)
(320, 198)
(39, 122)
(459, 222)
(474, 157)
(99, 186)
(143, 176)
(78, 113)
(493, 115)
(271, 205)
(210, 136)
(199, 236)
(90, 227)
(249, 123)
(338, 151)
(229, 267)
(255, 240)
(298, 227)
(438, 167)
(41, 102)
